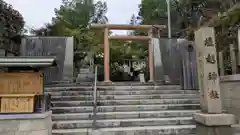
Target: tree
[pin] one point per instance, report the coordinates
(11, 26)
(154, 12)
(186, 15)
(99, 14)
(195, 13)
(72, 19)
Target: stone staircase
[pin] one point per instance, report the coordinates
(85, 75)
(124, 110)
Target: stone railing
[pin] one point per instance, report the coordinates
(230, 96)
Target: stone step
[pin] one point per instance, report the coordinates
(125, 115)
(125, 102)
(80, 109)
(72, 116)
(127, 87)
(72, 98)
(125, 108)
(67, 88)
(83, 131)
(124, 97)
(84, 70)
(147, 130)
(140, 87)
(121, 92)
(146, 114)
(72, 103)
(73, 124)
(144, 122)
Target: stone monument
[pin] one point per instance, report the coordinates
(211, 120)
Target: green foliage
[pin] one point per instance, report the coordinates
(151, 11)
(226, 27)
(72, 19)
(126, 50)
(154, 12)
(186, 15)
(196, 13)
(11, 26)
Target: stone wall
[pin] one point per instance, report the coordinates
(230, 92)
(26, 124)
(61, 47)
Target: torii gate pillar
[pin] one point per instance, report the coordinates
(108, 27)
(106, 56)
(150, 56)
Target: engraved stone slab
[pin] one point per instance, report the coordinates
(208, 77)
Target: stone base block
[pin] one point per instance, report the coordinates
(236, 129)
(26, 124)
(108, 82)
(213, 130)
(215, 119)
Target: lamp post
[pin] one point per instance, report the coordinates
(166, 77)
(169, 19)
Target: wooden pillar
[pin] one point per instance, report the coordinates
(220, 63)
(150, 56)
(233, 59)
(106, 56)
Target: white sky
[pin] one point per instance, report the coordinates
(38, 12)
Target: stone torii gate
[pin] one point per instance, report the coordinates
(108, 27)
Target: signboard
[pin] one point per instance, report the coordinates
(21, 83)
(17, 103)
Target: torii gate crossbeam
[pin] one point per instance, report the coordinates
(108, 27)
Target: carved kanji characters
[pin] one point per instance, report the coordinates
(209, 41)
(211, 58)
(213, 94)
(212, 76)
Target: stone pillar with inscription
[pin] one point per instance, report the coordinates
(211, 120)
